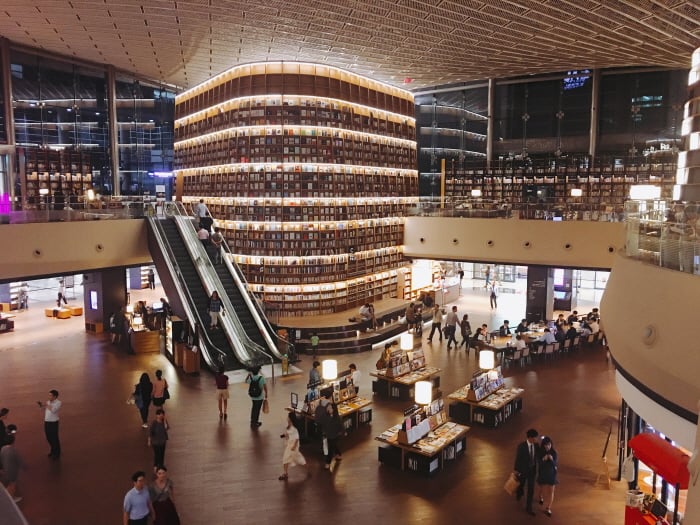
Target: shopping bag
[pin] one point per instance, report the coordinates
(325, 446)
(266, 407)
(512, 484)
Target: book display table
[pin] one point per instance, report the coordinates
(404, 370)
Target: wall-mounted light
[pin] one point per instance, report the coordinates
(487, 359)
(329, 369)
(424, 392)
(576, 192)
(43, 191)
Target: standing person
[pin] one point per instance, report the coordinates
(493, 295)
(51, 410)
(11, 463)
(143, 390)
(314, 344)
(162, 494)
(526, 467)
(466, 329)
(437, 323)
(203, 236)
(326, 416)
(461, 278)
(222, 392)
(158, 438)
(547, 474)
(314, 374)
(410, 316)
(137, 502)
(257, 391)
(159, 393)
(487, 276)
(217, 241)
(355, 375)
(201, 211)
(451, 322)
(61, 299)
(215, 308)
(3, 430)
(151, 279)
(292, 455)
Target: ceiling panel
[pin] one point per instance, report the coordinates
(184, 42)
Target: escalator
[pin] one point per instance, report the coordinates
(197, 292)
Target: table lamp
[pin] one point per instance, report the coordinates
(329, 369)
(406, 342)
(424, 392)
(487, 359)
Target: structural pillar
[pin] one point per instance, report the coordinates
(113, 129)
(593, 133)
(489, 123)
(104, 293)
(539, 304)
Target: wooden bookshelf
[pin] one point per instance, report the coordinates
(308, 170)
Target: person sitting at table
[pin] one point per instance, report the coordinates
(571, 332)
(522, 327)
(520, 343)
(594, 314)
(560, 322)
(593, 325)
(504, 329)
(585, 330)
(573, 318)
(546, 339)
(560, 332)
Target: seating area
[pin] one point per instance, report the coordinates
(66, 312)
(552, 351)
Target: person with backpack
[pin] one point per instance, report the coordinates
(257, 391)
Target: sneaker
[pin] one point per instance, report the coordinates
(17, 499)
(548, 513)
(541, 501)
(145, 425)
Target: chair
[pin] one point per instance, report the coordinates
(566, 347)
(515, 356)
(525, 358)
(576, 344)
(549, 350)
(591, 339)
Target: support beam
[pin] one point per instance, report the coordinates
(113, 129)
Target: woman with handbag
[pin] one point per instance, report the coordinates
(162, 492)
(292, 455)
(142, 397)
(547, 473)
(160, 390)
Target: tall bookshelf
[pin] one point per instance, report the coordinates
(308, 170)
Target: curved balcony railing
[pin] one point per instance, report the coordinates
(110, 207)
(543, 209)
(664, 234)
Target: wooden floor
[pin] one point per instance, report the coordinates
(227, 473)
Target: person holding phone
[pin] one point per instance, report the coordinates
(51, 409)
(547, 473)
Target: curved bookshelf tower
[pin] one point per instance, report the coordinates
(308, 170)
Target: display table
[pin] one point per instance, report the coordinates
(7, 323)
(428, 455)
(144, 341)
(402, 387)
(490, 411)
(352, 411)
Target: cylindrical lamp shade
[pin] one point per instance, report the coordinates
(329, 369)
(424, 392)
(487, 359)
(476, 193)
(406, 342)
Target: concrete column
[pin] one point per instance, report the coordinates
(7, 90)
(113, 128)
(593, 134)
(539, 305)
(489, 126)
(104, 293)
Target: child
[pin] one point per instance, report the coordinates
(292, 455)
(314, 344)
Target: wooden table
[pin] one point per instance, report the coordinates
(428, 455)
(402, 387)
(350, 409)
(144, 341)
(490, 411)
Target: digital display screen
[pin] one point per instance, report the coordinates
(93, 299)
(575, 79)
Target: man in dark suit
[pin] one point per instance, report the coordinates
(526, 467)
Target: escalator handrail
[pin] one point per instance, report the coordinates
(250, 350)
(182, 289)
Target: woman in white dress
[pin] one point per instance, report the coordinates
(292, 455)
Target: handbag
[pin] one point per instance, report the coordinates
(325, 446)
(512, 484)
(266, 407)
(166, 393)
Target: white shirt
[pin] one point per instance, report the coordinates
(51, 411)
(452, 319)
(355, 376)
(520, 344)
(201, 210)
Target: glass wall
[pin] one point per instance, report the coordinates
(3, 124)
(62, 131)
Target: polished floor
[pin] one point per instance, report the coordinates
(227, 473)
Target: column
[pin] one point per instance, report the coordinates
(113, 129)
(593, 134)
(539, 304)
(104, 293)
(489, 125)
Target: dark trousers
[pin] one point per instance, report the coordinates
(144, 412)
(159, 455)
(529, 479)
(51, 431)
(255, 410)
(451, 336)
(436, 326)
(333, 449)
(142, 521)
(493, 301)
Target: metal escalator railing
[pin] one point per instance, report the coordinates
(246, 350)
(213, 355)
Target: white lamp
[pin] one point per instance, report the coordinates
(576, 192)
(641, 192)
(424, 392)
(329, 369)
(130, 308)
(487, 359)
(406, 342)
(91, 194)
(137, 321)
(43, 191)
(476, 193)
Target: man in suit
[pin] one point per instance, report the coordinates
(526, 467)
